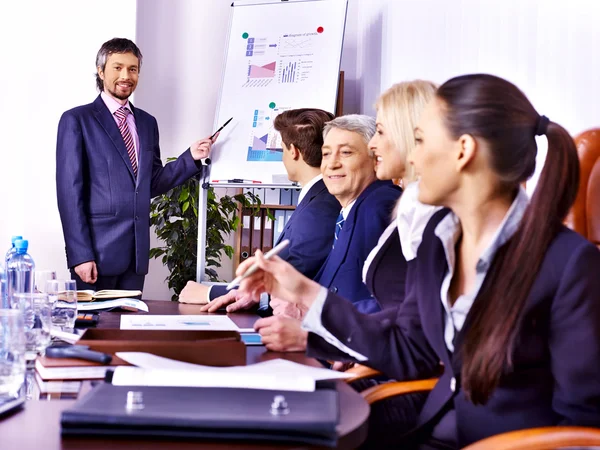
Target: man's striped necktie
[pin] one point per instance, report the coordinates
(339, 223)
(122, 114)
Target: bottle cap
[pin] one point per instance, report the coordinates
(21, 245)
(14, 238)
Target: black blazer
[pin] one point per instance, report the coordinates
(310, 231)
(386, 275)
(556, 374)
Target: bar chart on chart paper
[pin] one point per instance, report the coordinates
(265, 142)
(288, 74)
(295, 70)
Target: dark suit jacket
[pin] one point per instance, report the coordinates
(556, 375)
(105, 211)
(386, 275)
(369, 217)
(310, 231)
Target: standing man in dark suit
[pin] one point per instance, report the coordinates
(108, 167)
(310, 230)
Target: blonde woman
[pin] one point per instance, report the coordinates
(398, 112)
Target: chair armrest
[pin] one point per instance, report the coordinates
(394, 388)
(361, 372)
(546, 438)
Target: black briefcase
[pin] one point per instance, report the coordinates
(206, 413)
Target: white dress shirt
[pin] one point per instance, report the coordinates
(411, 218)
(307, 187)
(346, 209)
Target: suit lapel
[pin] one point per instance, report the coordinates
(338, 254)
(431, 273)
(110, 127)
(141, 140)
(315, 190)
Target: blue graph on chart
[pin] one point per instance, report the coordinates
(288, 74)
(265, 140)
(294, 70)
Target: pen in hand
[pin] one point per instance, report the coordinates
(223, 126)
(254, 267)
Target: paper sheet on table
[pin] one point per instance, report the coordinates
(277, 374)
(286, 368)
(191, 322)
(135, 376)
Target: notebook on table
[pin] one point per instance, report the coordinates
(89, 295)
(72, 368)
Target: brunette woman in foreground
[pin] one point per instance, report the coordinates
(504, 295)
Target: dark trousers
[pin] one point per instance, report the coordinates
(392, 422)
(128, 280)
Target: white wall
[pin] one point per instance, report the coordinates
(48, 63)
(183, 43)
(549, 48)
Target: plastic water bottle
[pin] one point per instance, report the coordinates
(12, 250)
(4, 303)
(19, 270)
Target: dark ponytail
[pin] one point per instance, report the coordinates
(496, 111)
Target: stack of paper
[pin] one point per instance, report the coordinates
(129, 304)
(57, 387)
(277, 374)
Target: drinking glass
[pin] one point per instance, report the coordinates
(12, 352)
(37, 321)
(41, 277)
(63, 296)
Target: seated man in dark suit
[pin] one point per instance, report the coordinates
(348, 169)
(310, 230)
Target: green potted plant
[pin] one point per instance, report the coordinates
(175, 218)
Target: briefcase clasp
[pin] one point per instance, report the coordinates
(279, 407)
(135, 401)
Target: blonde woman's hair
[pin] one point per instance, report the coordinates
(399, 109)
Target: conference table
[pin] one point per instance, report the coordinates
(37, 425)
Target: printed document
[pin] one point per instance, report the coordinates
(192, 322)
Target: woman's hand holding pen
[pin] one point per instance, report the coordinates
(279, 279)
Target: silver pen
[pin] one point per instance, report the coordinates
(275, 250)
